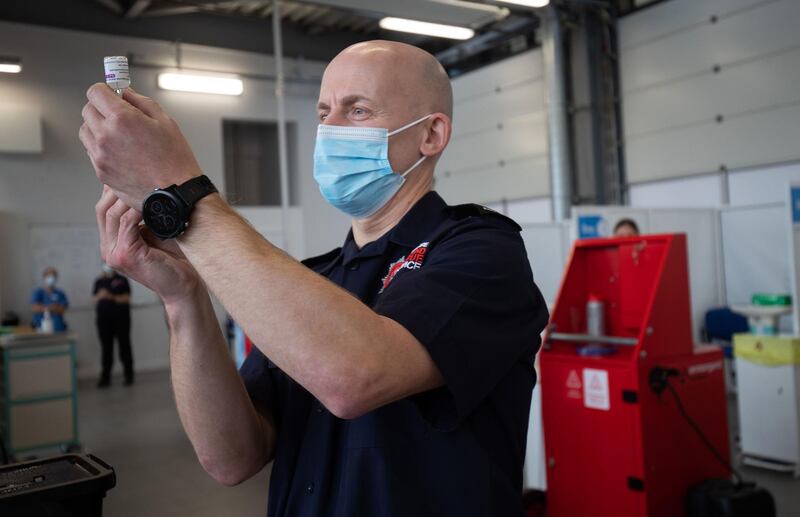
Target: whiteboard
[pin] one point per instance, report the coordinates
(75, 251)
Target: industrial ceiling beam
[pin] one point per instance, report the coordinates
(112, 5)
(138, 7)
(450, 12)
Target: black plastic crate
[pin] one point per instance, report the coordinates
(71, 485)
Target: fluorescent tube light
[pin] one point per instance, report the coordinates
(199, 83)
(527, 3)
(10, 65)
(426, 28)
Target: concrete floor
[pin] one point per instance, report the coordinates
(137, 431)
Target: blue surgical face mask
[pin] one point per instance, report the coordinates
(351, 166)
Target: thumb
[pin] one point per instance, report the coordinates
(145, 104)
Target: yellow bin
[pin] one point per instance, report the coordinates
(767, 350)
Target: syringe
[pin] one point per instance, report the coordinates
(118, 76)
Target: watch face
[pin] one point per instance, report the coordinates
(164, 214)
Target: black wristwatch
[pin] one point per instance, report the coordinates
(166, 211)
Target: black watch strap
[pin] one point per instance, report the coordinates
(195, 189)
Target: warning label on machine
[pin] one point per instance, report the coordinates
(595, 389)
(574, 385)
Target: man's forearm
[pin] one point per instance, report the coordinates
(232, 440)
(319, 334)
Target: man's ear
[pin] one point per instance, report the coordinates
(437, 136)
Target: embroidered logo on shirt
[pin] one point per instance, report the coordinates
(411, 261)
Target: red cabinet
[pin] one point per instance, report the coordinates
(614, 447)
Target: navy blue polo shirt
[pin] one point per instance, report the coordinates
(459, 280)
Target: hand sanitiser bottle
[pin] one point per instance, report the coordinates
(47, 326)
(118, 76)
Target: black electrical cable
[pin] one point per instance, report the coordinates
(735, 473)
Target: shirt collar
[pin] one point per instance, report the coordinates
(422, 217)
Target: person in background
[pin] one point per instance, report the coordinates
(112, 296)
(49, 298)
(626, 228)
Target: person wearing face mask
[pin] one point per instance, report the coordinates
(391, 376)
(49, 298)
(112, 294)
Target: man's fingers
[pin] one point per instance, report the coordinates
(92, 117)
(129, 232)
(107, 199)
(113, 216)
(145, 104)
(129, 227)
(86, 137)
(104, 99)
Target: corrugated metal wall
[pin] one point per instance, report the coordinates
(499, 145)
(710, 84)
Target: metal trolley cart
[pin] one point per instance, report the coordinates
(38, 392)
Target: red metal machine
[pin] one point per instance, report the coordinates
(614, 447)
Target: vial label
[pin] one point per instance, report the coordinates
(118, 76)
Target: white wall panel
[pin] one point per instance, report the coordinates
(768, 28)
(524, 136)
(755, 251)
(502, 75)
(759, 185)
(498, 149)
(539, 210)
(548, 246)
(20, 129)
(763, 137)
(496, 107)
(488, 182)
(702, 191)
(751, 86)
(674, 16)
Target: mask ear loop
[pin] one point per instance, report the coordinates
(411, 124)
(414, 166)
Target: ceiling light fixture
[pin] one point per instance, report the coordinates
(426, 28)
(527, 3)
(200, 83)
(10, 65)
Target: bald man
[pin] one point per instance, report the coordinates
(391, 376)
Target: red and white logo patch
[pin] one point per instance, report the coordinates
(411, 261)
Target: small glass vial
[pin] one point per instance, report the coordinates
(118, 76)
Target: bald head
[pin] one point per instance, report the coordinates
(389, 85)
(402, 76)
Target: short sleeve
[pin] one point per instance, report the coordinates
(264, 383)
(36, 297)
(63, 300)
(474, 306)
(96, 287)
(125, 288)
